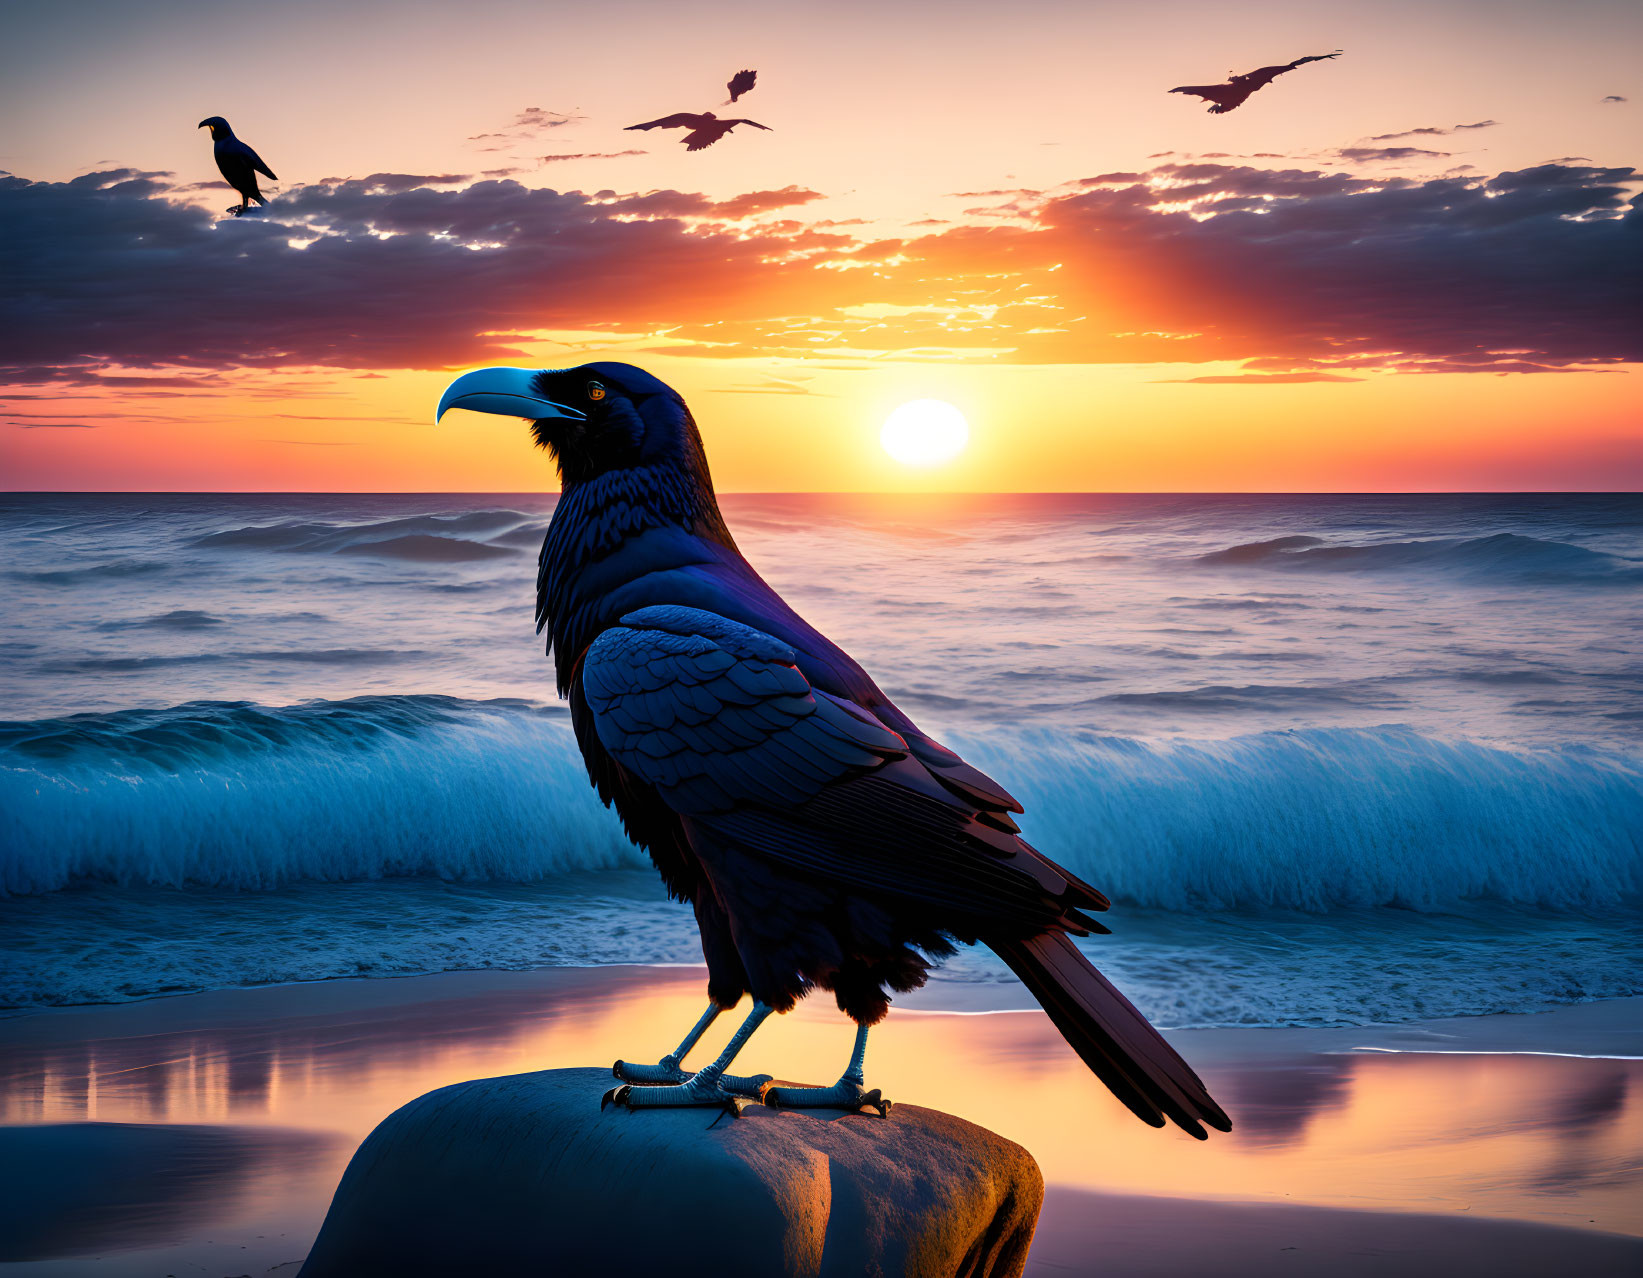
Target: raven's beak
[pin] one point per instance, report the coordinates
(510, 392)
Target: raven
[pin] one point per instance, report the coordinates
(740, 83)
(821, 838)
(1235, 92)
(239, 163)
(705, 129)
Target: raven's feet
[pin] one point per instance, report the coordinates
(701, 1090)
(847, 1093)
(667, 1072)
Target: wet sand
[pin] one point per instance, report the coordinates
(205, 1134)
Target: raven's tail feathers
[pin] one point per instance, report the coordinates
(1113, 1039)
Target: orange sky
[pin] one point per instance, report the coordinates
(927, 229)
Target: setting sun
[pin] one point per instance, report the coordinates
(925, 432)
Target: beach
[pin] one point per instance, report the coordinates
(1501, 1140)
(295, 832)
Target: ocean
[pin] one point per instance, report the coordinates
(1339, 760)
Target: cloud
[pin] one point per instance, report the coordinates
(1259, 379)
(764, 201)
(583, 155)
(540, 120)
(529, 125)
(106, 273)
(1290, 271)
(58, 426)
(1377, 154)
(1613, 97)
(1431, 132)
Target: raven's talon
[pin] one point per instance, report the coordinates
(617, 1096)
(665, 1072)
(842, 1095)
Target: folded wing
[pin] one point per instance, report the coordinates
(717, 718)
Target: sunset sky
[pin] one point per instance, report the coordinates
(1411, 268)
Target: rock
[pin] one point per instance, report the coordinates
(525, 1175)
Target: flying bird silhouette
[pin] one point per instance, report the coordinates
(1235, 92)
(740, 83)
(705, 129)
(821, 837)
(238, 163)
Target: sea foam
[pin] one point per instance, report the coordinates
(241, 795)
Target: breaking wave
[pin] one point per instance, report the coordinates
(1504, 555)
(240, 795)
(472, 535)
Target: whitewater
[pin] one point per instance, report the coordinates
(1338, 760)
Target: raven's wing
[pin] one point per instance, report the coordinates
(699, 138)
(1209, 92)
(754, 123)
(260, 167)
(244, 159)
(1266, 75)
(680, 120)
(715, 717)
(740, 83)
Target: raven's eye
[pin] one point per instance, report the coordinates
(595, 391)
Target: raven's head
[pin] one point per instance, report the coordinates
(594, 419)
(218, 126)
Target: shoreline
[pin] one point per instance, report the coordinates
(1444, 1138)
(1605, 1028)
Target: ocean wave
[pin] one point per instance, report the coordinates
(239, 795)
(478, 534)
(236, 794)
(1316, 819)
(177, 619)
(92, 574)
(277, 656)
(1503, 555)
(427, 548)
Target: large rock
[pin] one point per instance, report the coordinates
(525, 1175)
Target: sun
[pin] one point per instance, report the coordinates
(925, 432)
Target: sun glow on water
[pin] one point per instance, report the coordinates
(925, 432)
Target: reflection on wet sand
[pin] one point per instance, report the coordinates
(80, 1188)
(1507, 1136)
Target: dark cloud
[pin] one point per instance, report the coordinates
(103, 272)
(1527, 271)
(1613, 97)
(1292, 272)
(1376, 154)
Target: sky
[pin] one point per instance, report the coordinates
(1414, 267)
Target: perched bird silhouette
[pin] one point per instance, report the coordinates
(822, 839)
(705, 129)
(1235, 92)
(740, 83)
(238, 163)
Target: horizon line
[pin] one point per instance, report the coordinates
(837, 492)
